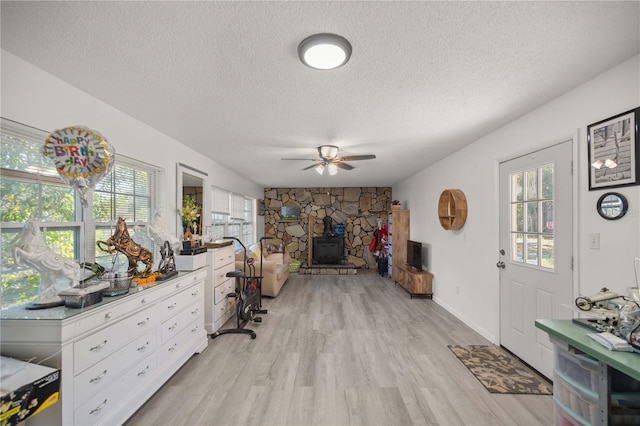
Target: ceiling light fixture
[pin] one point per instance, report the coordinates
(333, 169)
(320, 169)
(328, 151)
(324, 51)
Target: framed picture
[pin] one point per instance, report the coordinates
(260, 207)
(613, 151)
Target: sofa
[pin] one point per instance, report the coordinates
(275, 266)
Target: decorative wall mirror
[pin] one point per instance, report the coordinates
(191, 183)
(612, 206)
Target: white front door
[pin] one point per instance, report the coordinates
(536, 228)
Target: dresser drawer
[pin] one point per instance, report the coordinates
(178, 322)
(99, 408)
(221, 291)
(181, 341)
(220, 275)
(223, 307)
(99, 376)
(175, 304)
(96, 347)
(110, 313)
(223, 256)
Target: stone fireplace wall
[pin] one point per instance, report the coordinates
(357, 208)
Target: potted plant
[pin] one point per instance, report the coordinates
(395, 204)
(190, 213)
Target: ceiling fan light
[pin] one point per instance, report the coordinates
(597, 164)
(333, 169)
(324, 51)
(320, 169)
(610, 163)
(328, 151)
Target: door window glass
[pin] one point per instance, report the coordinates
(532, 227)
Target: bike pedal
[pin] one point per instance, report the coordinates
(257, 319)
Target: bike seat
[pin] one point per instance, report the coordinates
(236, 274)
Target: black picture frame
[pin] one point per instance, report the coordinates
(614, 141)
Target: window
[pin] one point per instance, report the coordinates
(532, 227)
(30, 187)
(232, 215)
(128, 191)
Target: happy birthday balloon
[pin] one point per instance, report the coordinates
(82, 157)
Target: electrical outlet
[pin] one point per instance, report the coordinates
(594, 241)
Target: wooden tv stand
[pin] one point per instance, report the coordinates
(417, 283)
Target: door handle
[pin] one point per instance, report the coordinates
(500, 265)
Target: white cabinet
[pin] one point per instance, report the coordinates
(218, 307)
(114, 355)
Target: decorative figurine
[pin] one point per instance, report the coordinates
(159, 235)
(122, 242)
(167, 266)
(31, 250)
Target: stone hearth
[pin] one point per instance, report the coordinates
(328, 269)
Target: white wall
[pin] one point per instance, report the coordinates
(467, 258)
(36, 98)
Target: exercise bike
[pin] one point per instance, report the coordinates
(248, 294)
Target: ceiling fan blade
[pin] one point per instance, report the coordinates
(311, 166)
(343, 165)
(357, 157)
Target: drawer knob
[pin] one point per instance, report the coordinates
(143, 372)
(172, 306)
(173, 348)
(98, 378)
(193, 330)
(143, 301)
(108, 315)
(143, 347)
(143, 322)
(98, 347)
(195, 293)
(194, 312)
(99, 407)
(173, 327)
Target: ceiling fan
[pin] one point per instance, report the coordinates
(330, 161)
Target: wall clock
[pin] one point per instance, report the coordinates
(452, 209)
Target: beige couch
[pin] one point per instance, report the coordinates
(275, 269)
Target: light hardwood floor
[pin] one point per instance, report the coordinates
(339, 350)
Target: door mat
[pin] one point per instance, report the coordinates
(501, 372)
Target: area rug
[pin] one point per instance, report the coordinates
(499, 371)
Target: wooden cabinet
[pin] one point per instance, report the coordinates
(417, 283)
(218, 307)
(114, 355)
(399, 220)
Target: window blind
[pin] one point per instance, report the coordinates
(219, 201)
(237, 206)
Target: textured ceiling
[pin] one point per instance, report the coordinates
(424, 79)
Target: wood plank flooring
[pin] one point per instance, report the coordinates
(339, 350)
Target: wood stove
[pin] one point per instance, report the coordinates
(328, 249)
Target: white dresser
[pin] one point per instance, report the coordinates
(113, 355)
(218, 307)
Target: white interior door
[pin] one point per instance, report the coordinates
(536, 228)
